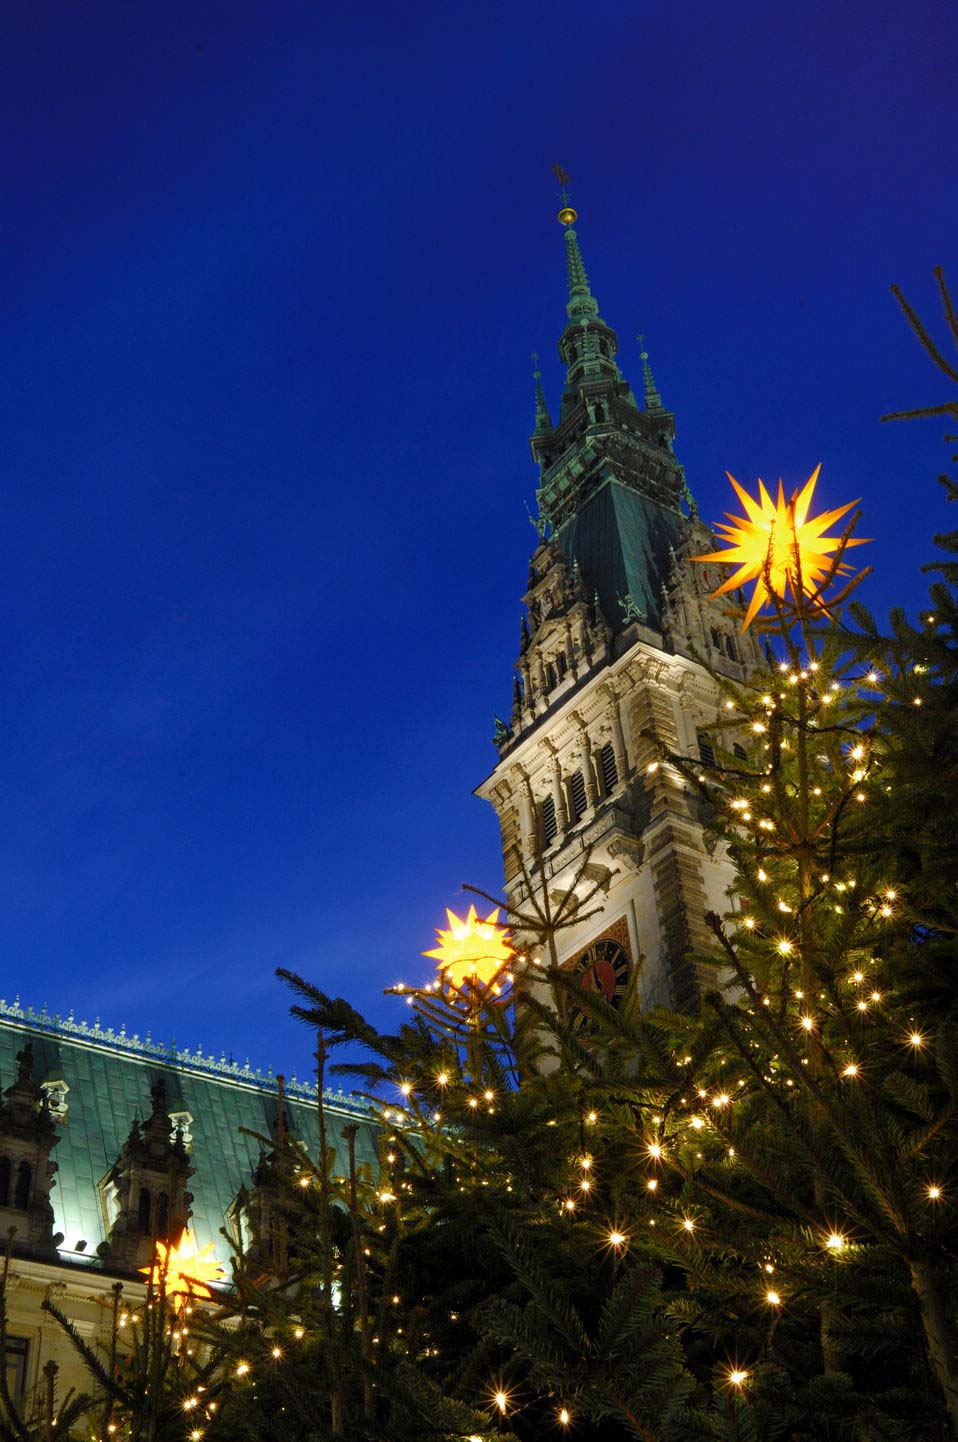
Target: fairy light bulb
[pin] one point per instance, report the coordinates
(934, 1193)
(851, 1069)
(773, 1299)
(737, 1377)
(916, 1039)
(565, 1417)
(835, 1242)
(655, 1151)
(616, 1239)
(688, 1224)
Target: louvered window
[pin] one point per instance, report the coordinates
(740, 751)
(577, 794)
(547, 811)
(610, 772)
(706, 750)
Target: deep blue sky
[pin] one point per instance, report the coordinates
(271, 276)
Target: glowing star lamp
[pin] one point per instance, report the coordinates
(472, 950)
(778, 547)
(184, 1269)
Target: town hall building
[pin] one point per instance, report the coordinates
(619, 647)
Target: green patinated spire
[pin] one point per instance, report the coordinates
(582, 305)
(653, 401)
(543, 419)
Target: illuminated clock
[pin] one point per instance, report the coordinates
(603, 967)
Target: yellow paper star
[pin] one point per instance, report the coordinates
(472, 950)
(777, 546)
(184, 1269)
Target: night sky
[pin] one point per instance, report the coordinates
(271, 277)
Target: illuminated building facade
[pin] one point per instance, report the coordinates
(108, 1141)
(616, 627)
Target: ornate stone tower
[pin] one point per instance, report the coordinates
(144, 1193)
(615, 616)
(28, 1135)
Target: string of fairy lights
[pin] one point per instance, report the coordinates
(795, 1035)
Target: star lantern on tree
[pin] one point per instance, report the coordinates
(472, 950)
(786, 553)
(184, 1270)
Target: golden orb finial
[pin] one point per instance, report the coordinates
(566, 216)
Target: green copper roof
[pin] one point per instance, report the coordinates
(623, 542)
(109, 1085)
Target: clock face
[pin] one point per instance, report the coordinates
(604, 967)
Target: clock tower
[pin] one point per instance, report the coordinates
(616, 624)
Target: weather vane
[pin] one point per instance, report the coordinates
(566, 216)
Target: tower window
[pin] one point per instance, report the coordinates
(561, 665)
(731, 648)
(716, 639)
(21, 1196)
(739, 750)
(143, 1209)
(577, 794)
(706, 750)
(550, 677)
(610, 772)
(4, 1181)
(547, 812)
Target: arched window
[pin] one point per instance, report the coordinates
(547, 813)
(550, 676)
(162, 1215)
(143, 1208)
(716, 639)
(731, 648)
(561, 665)
(610, 772)
(4, 1181)
(21, 1197)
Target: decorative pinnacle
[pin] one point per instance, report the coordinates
(653, 401)
(543, 419)
(582, 304)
